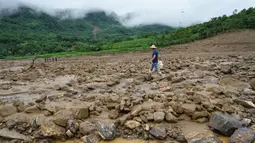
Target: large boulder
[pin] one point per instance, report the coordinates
(159, 116)
(7, 110)
(106, 131)
(61, 117)
(205, 137)
(131, 124)
(242, 135)
(86, 128)
(252, 83)
(11, 134)
(159, 132)
(224, 123)
(54, 108)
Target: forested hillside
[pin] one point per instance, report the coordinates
(28, 32)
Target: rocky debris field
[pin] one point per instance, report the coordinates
(107, 97)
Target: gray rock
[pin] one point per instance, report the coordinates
(252, 83)
(205, 137)
(158, 132)
(224, 123)
(159, 116)
(10, 124)
(41, 99)
(106, 131)
(7, 110)
(11, 134)
(242, 135)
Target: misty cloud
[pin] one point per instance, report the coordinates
(169, 12)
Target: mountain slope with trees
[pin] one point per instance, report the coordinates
(28, 32)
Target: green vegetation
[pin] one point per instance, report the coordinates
(33, 34)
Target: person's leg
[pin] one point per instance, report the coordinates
(156, 67)
(152, 66)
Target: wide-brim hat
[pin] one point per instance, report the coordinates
(153, 47)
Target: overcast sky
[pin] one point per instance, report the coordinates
(169, 12)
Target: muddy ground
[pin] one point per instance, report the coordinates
(64, 100)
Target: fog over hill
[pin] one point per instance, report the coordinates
(169, 12)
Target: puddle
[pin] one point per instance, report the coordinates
(224, 139)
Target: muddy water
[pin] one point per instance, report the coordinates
(121, 140)
(118, 140)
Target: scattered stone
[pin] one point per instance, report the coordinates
(32, 109)
(150, 117)
(181, 138)
(189, 109)
(171, 118)
(242, 135)
(201, 114)
(7, 110)
(11, 134)
(226, 69)
(158, 132)
(131, 124)
(113, 114)
(136, 110)
(41, 99)
(47, 113)
(252, 83)
(10, 124)
(138, 119)
(202, 120)
(177, 79)
(69, 134)
(247, 104)
(82, 113)
(54, 108)
(86, 128)
(205, 137)
(124, 118)
(1, 119)
(246, 121)
(224, 123)
(49, 129)
(92, 138)
(61, 117)
(159, 116)
(184, 117)
(106, 131)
